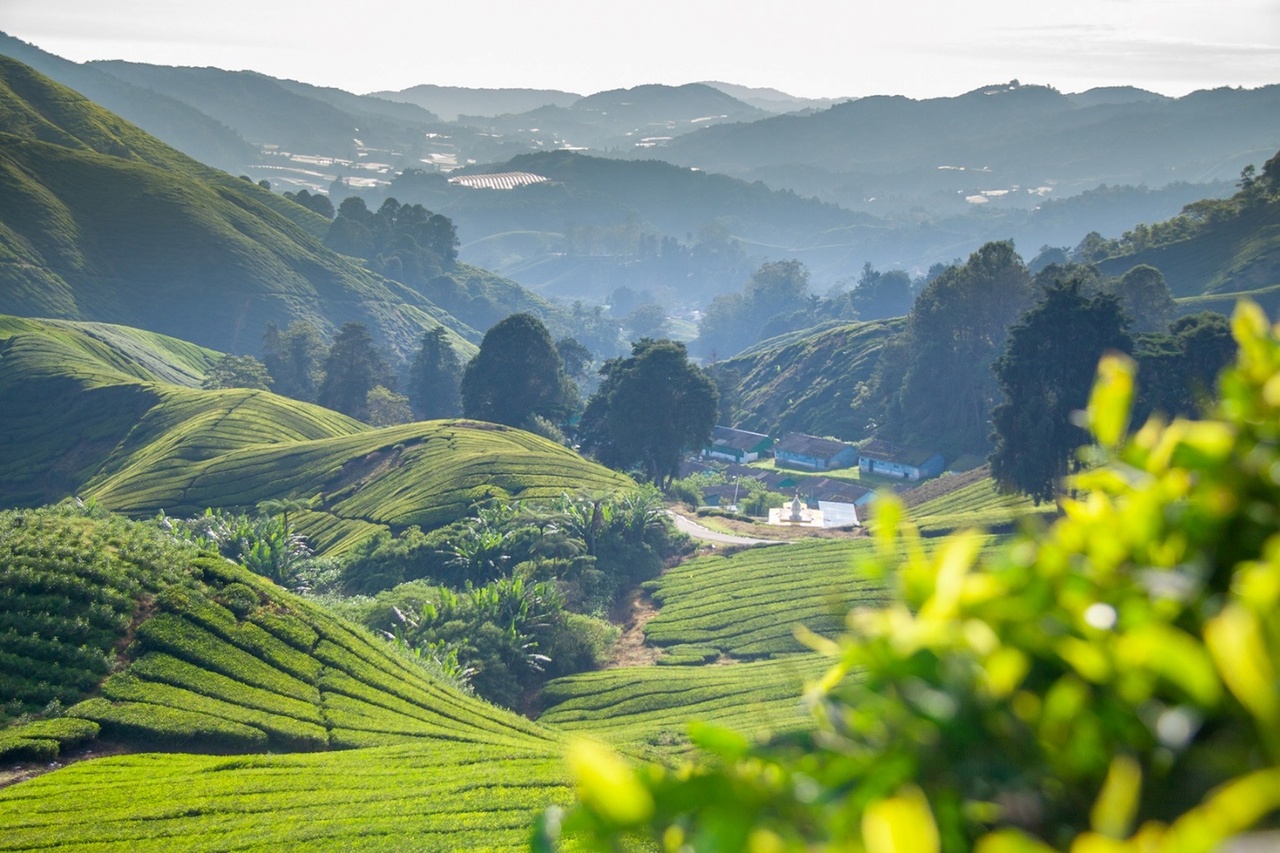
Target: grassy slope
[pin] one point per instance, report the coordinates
(1238, 255)
(222, 660)
(99, 220)
(805, 381)
(83, 411)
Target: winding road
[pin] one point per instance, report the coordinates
(697, 531)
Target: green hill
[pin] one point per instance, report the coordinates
(805, 381)
(100, 221)
(97, 411)
(148, 644)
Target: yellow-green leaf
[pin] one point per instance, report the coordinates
(900, 824)
(607, 786)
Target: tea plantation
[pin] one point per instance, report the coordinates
(653, 705)
(147, 643)
(93, 410)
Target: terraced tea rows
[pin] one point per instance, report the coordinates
(746, 605)
(653, 705)
(977, 505)
(82, 413)
(434, 795)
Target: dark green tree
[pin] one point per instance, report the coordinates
(295, 359)
(1045, 374)
(651, 409)
(517, 374)
(434, 377)
(1178, 369)
(1144, 295)
(881, 294)
(955, 332)
(237, 371)
(351, 371)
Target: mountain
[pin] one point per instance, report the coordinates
(99, 220)
(772, 100)
(173, 122)
(109, 413)
(1014, 143)
(295, 117)
(626, 120)
(597, 224)
(449, 102)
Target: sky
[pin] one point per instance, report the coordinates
(812, 48)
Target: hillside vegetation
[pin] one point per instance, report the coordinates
(205, 656)
(806, 381)
(100, 221)
(81, 415)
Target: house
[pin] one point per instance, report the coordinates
(797, 450)
(891, 460)
(737, 445)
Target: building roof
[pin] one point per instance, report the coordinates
(884, 451)
(738, 439)
(810, 445)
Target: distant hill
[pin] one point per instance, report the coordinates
(580, 234)
(110, 413)
(1011, 139)
(1214, 247)
(622, 120)
(296, 117)
(170, 120)
(99, 220)
(805, 381)
(772, 100)
(449, 102)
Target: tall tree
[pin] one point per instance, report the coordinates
(955, 332)
(1144, 295)
(1045, 373)
(651, 408)
(295, 359)
(351, 371)
(517, 374)
(434, 377)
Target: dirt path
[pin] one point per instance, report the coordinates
(631, 649)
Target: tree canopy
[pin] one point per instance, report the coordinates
(517, 374)
(650, 409)
(351, 371)
(434, 377)
(1045, 374)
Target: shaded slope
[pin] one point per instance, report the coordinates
(99, 220)
(805, 381)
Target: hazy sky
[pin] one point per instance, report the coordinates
(919, 48)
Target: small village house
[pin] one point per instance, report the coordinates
(891, 460)
(797, 450)
(737, 445)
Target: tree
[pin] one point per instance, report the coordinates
(295, 359)
(516, 374)
(1144, 295)
(237, 371)
(351, 371)
(881, 294)
(384, 407)
(955, 332)
(650, 409)
(1045, 374)
(434, 377)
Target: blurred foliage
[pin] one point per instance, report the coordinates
(1108, 683)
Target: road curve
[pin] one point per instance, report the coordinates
(697, 531)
